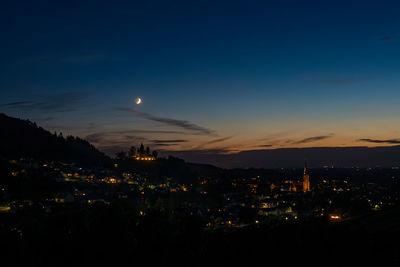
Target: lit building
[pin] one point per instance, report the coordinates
(306, 179)
(145, 157)
(293, 187)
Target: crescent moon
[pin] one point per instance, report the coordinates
(138, 100)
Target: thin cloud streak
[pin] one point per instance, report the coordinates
(377, 141)
(56, 103)
(265, 145)
(169, 141)
(312, 139)
(95, 137)
(112, 137)
(199, 151)
(386, 38)
(165, 145)
(16, 104)
(217, 140)
(173, 122)
(129, 137)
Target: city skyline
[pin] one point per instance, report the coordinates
(220, 78)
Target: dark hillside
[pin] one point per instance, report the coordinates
(24, 139)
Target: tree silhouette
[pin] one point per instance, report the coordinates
(120, 155)
(141, 150)
(132, 151)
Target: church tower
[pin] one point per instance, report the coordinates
(306, 179)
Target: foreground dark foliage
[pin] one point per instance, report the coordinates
(116, 235)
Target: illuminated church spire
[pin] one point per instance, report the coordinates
(306, 179)
(305, 168)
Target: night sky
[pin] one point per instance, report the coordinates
(216, 76)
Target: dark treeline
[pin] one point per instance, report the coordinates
(19, 138)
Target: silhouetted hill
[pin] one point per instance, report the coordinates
(385, 156)
(204, 169)
(20, 138)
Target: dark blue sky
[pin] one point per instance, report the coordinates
(214, 75)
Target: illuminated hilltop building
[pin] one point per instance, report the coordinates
(148, 157)
(142, 153)
(306, 179)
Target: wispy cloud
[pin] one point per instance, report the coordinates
(312, 139)
(56, 103)
(265, 145)
(48, 118)
(99, 137)
(216, 141)
(199, 151)
(169, 141)
(16, 104)
(112, 142)
(203, 146)
(112, 137)
(386, 38)
(155, 132)
(45, 119)
(377, 141)
(389, 37)
(165, 145)
(187, 125)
